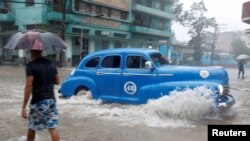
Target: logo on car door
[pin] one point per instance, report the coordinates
(130, 87)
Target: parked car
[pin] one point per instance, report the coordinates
(136, 75)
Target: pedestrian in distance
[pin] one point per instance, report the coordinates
(41, 75)
(241, 69)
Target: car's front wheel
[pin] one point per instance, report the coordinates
(83, 91)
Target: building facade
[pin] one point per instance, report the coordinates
(90, 25)
(223, 53)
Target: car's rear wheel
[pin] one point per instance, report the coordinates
(83, 91)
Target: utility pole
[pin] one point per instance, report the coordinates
(217, 27)
(63, 9)
(214, 42)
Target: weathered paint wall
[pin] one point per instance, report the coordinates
(124, 4)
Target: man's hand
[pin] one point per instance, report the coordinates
(27, 93)
(24, 113)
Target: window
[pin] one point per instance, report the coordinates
(93, 9)
(57, 5)
(105, 11)
(124, 15)
(98, 9)
(156, 5)
(30, 2)
(162, 6)
(111, 62)
(105, 44)
(138, 20)
(120, 35)
(85, 7)
(92, 63)
(118, 44)
(136, 62)
(115, 13)
(139, 1)
(159, 60)
(149, 3)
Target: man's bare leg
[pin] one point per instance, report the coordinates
(54, 134)
(31, 135)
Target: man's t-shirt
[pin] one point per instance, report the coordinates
(43, 71)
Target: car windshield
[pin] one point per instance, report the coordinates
(159, 60)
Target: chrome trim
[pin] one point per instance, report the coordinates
(166, 75)
(99, 73)
(136, 74)
(103, 73)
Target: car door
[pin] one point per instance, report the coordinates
(137, 81)
(109, 77)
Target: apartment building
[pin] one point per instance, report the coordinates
(90, 25)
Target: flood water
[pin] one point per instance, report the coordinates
(181, 116)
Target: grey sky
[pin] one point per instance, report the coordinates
(226, 12)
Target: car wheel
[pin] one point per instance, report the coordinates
(83, 91)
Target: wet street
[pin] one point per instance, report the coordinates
(88, 120)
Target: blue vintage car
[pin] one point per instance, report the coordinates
(136, 75)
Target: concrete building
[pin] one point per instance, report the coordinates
(223, 54)
(224, 40)
(246, 19)
(90, 25)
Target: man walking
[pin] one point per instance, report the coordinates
(41, 75)
(241, 69)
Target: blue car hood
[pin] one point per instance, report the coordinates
(187, 73)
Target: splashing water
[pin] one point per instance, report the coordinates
(190, 104)
(177, 109)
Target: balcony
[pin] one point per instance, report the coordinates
(246, 12)
(151, 31)
(6, 17)
(154, 12)
(54, 16)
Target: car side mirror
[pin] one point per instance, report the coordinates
(149, 65)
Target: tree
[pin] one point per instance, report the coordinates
(239, 47)
(178, 11)
(199, 26)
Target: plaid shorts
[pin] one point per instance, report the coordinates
(43, 115)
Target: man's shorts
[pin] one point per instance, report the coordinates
(43, 115)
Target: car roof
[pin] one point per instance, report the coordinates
(125, 50)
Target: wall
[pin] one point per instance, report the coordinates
(124, 4)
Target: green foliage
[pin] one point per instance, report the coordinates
(178, 10)
(199, 25)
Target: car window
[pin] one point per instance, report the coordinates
(135, 62)
(159, 60)
(111, 62)
(92, 63)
